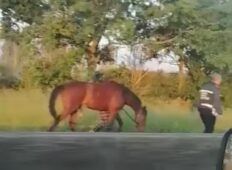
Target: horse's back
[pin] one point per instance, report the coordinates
(111, 87)
(104, 95)
(74, 90)
(99, 87)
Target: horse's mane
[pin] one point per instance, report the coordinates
(131, 98)
(130, 92)
(127, 91)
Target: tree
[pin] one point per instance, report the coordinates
(201, 26)
(198, 33)
(16, 13)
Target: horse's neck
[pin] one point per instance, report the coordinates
(133, 101)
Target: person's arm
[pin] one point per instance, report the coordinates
(217, 102)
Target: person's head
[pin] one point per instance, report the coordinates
(216, 79)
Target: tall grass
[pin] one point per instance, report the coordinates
(27, 110)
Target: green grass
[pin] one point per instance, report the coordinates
(27, 111)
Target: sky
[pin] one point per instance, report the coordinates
(124, 56)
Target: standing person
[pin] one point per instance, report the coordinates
(209, 105)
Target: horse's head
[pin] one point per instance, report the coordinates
(141, 119)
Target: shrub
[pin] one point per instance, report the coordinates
(48, 71)
(7, 80)
(226, 91)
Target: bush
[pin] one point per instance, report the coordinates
(151, 86)
(7, 80)
(48, 71)
(226, 91)
(155, 85)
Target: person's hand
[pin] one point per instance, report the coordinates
(215, 114)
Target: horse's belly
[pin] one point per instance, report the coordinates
(103, 100)
(96, 103)
(97, 106)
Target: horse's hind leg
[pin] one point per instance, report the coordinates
(54, 124)
(57, 120)
(61, 117)
(72, 121)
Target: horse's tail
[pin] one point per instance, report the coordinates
(52, 100)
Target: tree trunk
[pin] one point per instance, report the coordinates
(181, 77)
(92, 56)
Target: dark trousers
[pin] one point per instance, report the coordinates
(208, 119)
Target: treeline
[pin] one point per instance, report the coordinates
(46, 42)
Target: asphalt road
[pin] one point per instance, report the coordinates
(108, 151)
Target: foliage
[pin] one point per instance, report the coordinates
(7, 80)
(16, 13)
(153, 86)
(198, 25)
(56, 35)
(226, 91)
(48, 73)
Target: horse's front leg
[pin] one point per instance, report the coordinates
(120, 122)
(102, 125)
(98, 127)
(111, 117)
(107, 122)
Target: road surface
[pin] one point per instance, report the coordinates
(108, 151)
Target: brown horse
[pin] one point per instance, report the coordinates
(108, 97)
